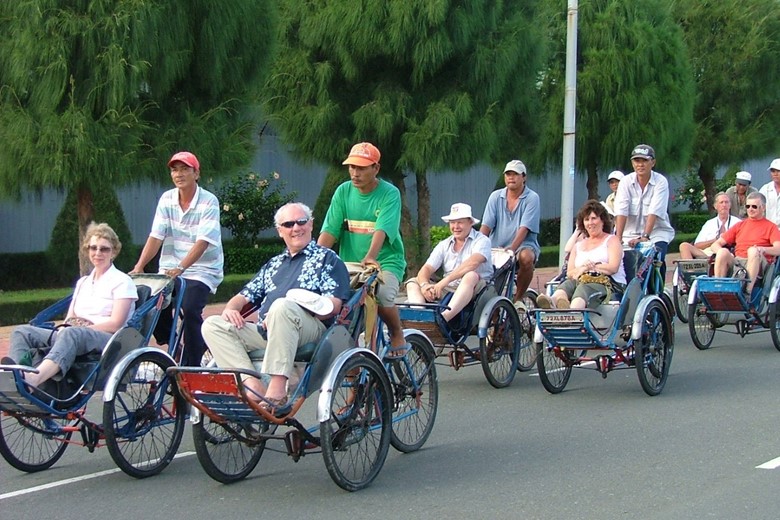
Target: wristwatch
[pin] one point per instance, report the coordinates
(645, 235)
(181, 268)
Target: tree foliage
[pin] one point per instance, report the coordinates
(633, 85)
(735, 61)
(435, 85)
(102, 92)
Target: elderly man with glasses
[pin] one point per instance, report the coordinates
(756, 242)
(284, 323)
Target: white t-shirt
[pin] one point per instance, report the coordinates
(711, 229)
(94, 300)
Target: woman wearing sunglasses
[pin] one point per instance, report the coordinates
(102, 303)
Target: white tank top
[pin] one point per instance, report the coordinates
(599, 254)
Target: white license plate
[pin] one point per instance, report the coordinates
(562, 318)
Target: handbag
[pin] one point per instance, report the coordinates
(75, 321)
(599, 278)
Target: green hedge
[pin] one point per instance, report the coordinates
(689, 222)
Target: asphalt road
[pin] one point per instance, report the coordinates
(601, 449)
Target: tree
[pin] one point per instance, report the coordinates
(633, 86)
(735, 58)
(97, 93)
(435, 85)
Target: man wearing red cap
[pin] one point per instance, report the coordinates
(365, 219)
(186, 226)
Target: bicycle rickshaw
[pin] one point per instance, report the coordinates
(632, 332)
(715, 302)
(504, 334)
(143, 419)
(685, 272)
(366, 402)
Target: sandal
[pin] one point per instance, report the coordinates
(273, 405)
(397, 352)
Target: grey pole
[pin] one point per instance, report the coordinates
(567, 171)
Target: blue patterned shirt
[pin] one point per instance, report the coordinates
(315, 268)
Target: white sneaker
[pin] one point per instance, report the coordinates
(544, 302)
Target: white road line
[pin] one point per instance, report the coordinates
(772, 464)
(587, 364)
(72, 480)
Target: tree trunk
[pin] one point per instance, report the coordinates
(592, 183)
(707, 176)
(408, 232)
(423, 214)
(86, 210)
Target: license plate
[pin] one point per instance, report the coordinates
(562, 318)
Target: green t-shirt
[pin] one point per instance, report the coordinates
(353, 217)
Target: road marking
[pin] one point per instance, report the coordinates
(72, 480)
(772, 464)
(587, 364)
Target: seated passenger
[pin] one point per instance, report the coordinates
(599, 255)
(711, 230)
(465, 259)
(756, 242)
(283, 325)
(102, 303)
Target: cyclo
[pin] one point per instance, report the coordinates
(143, 420)
(634, 331)
(366, 402)
(715, 302)
(685, 272)
(504, 334)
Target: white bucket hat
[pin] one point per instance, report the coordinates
(460, 210)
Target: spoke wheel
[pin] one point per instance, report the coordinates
(526, 357)
(227, 451)
(554, 372)
(416, 395)
(144, 421)
(356, 436)
(701, 326)
(680, 298)
(32, 443)
(774, 324)
(499, 349)
(654, 351)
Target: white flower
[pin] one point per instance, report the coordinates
(691, 190)
(251, 176)
(240, 216)
(276, 175)
(226, 207)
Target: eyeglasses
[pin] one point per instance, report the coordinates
(752, 206)
(102, 249)
(291, 223)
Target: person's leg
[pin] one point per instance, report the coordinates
(69, 343)
(526, 259)
(463, 295)
(230, 347)
(689, 252)
(723, 262)
(753, 267)
(386, 294)
(588, 295)
(414, 292)
(289, 326)
(24, 339)
(195, 298)
(663, 248)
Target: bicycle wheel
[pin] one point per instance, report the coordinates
(526, 357)
(654, 351)
(774, 324)
(416, 396)
(680, 298)
(554, 372)
(144, 421)
(32, 443)
(499, 349)
(700, 325)
(224, 450)
(356, 437)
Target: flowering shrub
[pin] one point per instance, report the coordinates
(691, 193)
(249, 202)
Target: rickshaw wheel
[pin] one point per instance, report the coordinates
(680, 298)
(554, 372)
(774, 324)
(700, 325)
(499, 349)
(654, 349)
(32, 443)
(222, 454)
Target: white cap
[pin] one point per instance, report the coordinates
(311, 301)
(460, 210)
(744, 177)
(775, 165)
(515, 166)
(617, 174)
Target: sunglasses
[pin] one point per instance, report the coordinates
(753, 206)
(102, 249)
(291, 223)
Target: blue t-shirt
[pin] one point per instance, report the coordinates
(504, 224)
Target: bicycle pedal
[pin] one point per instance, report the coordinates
(294, 444)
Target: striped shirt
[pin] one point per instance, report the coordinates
(179, 230)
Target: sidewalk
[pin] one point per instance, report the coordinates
(541, 277)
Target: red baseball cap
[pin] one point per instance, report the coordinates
(363, 154)
(187, 158)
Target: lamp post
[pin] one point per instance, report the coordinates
(570, 100)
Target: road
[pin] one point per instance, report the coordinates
(601, 449)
